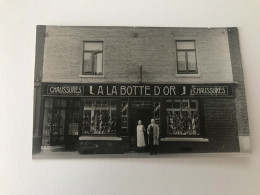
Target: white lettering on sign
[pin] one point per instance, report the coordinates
(147, 90)
(172, 90)
(90, 90)
(210, 90)
(140, 90)
(114, 90)
(157, 90)
(65, 90)
(123, 90)
(129, 90)
(100, 90)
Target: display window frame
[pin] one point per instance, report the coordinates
(69, 140)
(116, 114)
(200, 120)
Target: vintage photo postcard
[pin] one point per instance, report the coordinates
(138, 91)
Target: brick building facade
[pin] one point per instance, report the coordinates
(200, 105)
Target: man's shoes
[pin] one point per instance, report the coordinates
(151, 153)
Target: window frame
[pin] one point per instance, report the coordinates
(187, 71)
(94, 108)
(188, 109)
(92, 51)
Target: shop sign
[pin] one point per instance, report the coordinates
(141, 90)
(65, 90)
(209, 90)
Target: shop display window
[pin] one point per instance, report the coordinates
(54, 122)
(99, 117)
(183, 117)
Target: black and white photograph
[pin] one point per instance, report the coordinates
(138, 91)
(129, 97)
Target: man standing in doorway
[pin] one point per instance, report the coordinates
(153, 137)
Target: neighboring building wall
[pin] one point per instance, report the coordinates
(153, 48)
(38, 102)
(218, 122)
(240, 100)
(221, 125)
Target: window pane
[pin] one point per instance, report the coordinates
(168, 103)
(48, 102)
(176, 104)
(99, 63)
(113, 103)
(88, 103)
(185, 45)
(193, 105)
(73, 129)
(98, 104)
(181, 61)
(104, 104)
(87, 66)
(63, 103)
(62, 121)
(56, 102)
(101, 119)
(191, 60)
(93, 46)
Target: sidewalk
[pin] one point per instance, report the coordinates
(47, 154)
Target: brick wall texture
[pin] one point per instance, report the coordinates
(240, 100)
(123, 53)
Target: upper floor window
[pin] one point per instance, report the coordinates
(186, 57)
(92, 58)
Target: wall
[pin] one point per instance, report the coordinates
(153, 48)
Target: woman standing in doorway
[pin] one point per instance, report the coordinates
(140, 137)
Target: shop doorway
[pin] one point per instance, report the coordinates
(72, 124)
(143, 114)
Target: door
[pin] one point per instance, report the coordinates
(143, 114)
(72, 124)
(58, 117)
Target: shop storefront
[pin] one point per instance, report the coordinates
(102, 118)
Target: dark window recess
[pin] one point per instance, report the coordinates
(186, 57)
(54, 122)
(73, 116)
(92, 58)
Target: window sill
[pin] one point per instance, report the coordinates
(91, 76)
(185, 139)
(188, 75)
(100, 138)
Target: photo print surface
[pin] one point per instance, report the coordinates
(138, 91)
